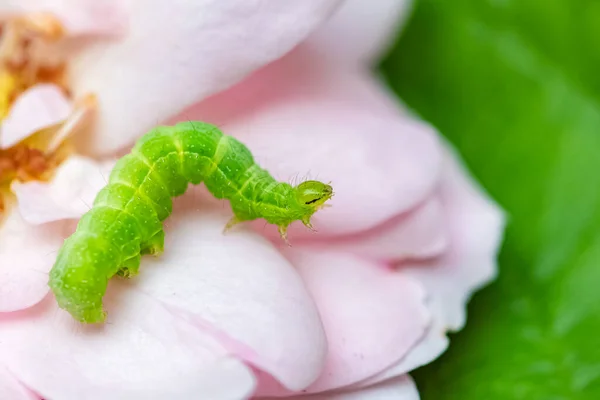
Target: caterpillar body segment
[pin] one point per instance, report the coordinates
(126, 219)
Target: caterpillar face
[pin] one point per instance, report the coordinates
(313, 194)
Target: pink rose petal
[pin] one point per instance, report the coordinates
(142, 352)
(27, 253)
(79, 17)
(401, 388)
(68, 195)
(372, 315)
(413, 235)
(39, 107)
(303, 118)
(179, 52)
(360, 31)
(434, 343)
(239, 288)
(11, 389)
(476, 226)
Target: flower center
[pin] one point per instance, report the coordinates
(29, 56)
(25, 43)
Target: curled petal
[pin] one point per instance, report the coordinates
(239, 289)
(361, 31)
(39, 107)
(476, 226)
(12, 389)
(413, 235)
(372, 315)
(306, 119)
(26, 255)
(67, 196)
(142, 352)
(431, 345)
(199, 48)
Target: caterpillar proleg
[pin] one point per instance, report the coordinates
(125, 221)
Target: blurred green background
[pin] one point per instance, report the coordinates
(515, 85)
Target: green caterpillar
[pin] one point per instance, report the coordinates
(125, 220)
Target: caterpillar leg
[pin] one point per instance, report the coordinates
(95, 315)
(283, 233)
(306, 222)
(155, 245)
(130, 267)
(87, 313)
(231, 223)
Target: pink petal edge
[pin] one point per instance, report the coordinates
(476, 226)
(417, 234)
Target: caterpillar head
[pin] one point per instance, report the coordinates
(310, 197)
(313, 194)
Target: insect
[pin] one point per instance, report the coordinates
(125, 221)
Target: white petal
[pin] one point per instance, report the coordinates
(38, 107)
(68, 195)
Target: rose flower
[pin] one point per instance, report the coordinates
(345, 313)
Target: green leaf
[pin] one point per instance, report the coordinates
(515, 85)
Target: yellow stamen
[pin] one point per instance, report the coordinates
(8, 90)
